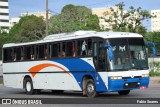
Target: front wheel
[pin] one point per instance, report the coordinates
(126, 92)
(90, 88)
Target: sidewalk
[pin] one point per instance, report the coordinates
(154, 81)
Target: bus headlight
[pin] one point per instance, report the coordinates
(145, 75)
(115, 77)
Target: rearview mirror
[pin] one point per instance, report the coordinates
(109, 52)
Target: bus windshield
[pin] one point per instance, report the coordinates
(129, 53)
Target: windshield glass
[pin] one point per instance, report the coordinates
(129, 53)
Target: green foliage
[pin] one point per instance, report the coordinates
(1, 80)
(73, 18)
(130, 21)
(152, 74)
(29, 28)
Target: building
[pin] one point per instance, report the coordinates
(155, 21)
(4, 15)
(106, 13)
(101, 13)
(14, 21)
(38, 14)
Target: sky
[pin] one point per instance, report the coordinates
(16, 7)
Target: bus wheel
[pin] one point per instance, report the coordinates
(28, 85)
(90, 88)
(126, 92)
(57, 91)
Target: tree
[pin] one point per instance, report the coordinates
(130, 21)
(29, 28)
(153, 37)
(73, 18)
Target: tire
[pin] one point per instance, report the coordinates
(28, 85)
(90, 88)
(126, 92)
(57, 91)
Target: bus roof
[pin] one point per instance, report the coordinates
(77, 35)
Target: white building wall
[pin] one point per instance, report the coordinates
(155, 26)
(4, 15)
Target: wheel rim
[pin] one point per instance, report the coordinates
(28, 86)
(90, 88)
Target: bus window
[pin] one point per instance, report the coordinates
(22, 53)
(89, 47)
(18, 55)
(54, 50)
(63, 50)
(14, 58)
(41, 51)
(73, 48)
(82, 47)
(45, 51)
(32, 53)
(7, 54)
(27, 53)
(101, 57)
(69, 49)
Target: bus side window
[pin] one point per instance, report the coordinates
(14, 54)
(54, 48)
(95, 54)
(32, 53)
(89, 47)
(27, 52)
(69, 49)
(45, 51)
(7, 54)
(101, 57)
(63, 50)
(22, 53)
(83, 48)
(41, 51)
(18, 54)
(73, 49)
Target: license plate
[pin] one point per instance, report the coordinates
(142, 87)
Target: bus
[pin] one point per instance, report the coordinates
(87, 61)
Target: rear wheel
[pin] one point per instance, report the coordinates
(28, 85)
(126, 92)
(90, 88)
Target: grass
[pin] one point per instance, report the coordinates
(153, 74)
(159, 82)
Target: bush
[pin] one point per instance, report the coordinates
(1, 80)
(152, 74)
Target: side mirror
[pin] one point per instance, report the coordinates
(110, 52)
(153, 48)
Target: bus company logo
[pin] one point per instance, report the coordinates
(6, 101)
(37, 68)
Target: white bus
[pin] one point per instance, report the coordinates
(88, 61)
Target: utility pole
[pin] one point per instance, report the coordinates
(46, 17)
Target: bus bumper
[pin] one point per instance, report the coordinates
(128, 84)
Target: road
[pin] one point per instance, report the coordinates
(151, 92)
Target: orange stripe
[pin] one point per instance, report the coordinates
(39, 67)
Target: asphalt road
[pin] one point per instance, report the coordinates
(151, 92)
